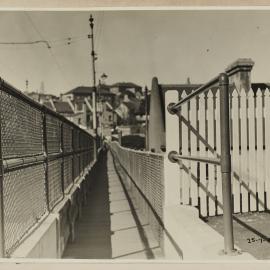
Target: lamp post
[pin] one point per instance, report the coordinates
(94, 92)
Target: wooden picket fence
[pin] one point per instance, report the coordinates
(200, 183)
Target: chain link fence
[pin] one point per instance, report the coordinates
(143, 177)
(42, 155)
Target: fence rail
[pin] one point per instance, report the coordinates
(42, 154)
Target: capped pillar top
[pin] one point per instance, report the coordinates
(239, 73)
(241, 64)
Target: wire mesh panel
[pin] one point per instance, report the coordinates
(67, 138)
(76, 164)
(24, 202)
(54, 182)
(21, 127)
(146, 171)
(67, 172)
(76, 139)
(53, 132)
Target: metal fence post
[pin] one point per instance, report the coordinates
(2, 222)
(45, 149)
(73, 155)
(226, 163)
(80, 153)
(62, 158)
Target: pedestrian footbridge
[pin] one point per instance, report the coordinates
(66, 193)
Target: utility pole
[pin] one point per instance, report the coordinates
(146, 119)
(94, 92)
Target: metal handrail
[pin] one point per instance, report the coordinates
(17, 163)
(149, 153)
(174, 157)
(174, 107)
(225, 159)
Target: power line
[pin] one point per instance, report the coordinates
(50, 51)
(26, 43)
(61, 42)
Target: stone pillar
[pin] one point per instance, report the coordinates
(239, 73)
(171, 175)
(156, 119)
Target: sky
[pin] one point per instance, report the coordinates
(132, 46)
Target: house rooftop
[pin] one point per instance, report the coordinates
(126, 84)
(80, 90)
(87, 90)
(59, 106)
(63, 107)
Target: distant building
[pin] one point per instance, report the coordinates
(116, 104)
(81, 99)
(131, 89)
(62, 107)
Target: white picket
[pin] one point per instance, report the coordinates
(185, 151)
(267, 144)
(203, 181)
(210, 153)
(259, 152)
(193, 152)
(235, 151)
(250, 125)
(244, 176)
(218, 146)
(252, 152)
(180, 152)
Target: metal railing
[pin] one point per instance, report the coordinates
(225, 158)
(42, 154)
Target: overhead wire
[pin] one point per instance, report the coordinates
(25, 43)
(50, 49)
(60, 43)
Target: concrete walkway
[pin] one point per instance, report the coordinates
(92, 232)
(111, 227)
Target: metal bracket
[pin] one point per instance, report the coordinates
(234, 252)
(171, 157)
(170, 108)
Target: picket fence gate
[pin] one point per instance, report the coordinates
(199, 124)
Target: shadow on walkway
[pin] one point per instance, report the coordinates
(93, 232)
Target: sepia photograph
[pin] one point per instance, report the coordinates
(135, 135)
